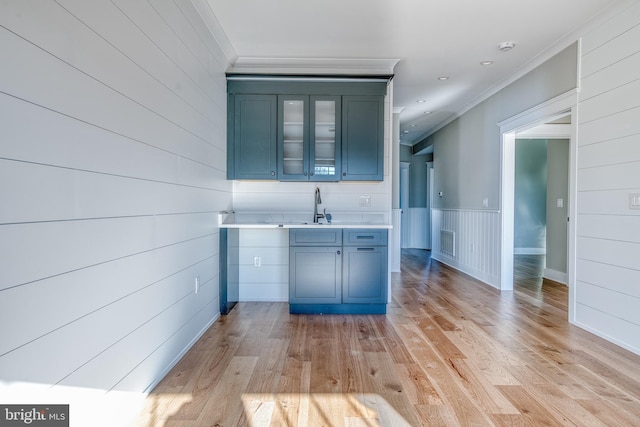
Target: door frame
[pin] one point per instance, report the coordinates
(562, 105)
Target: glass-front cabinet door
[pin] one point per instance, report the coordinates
(293, 137)
(325, 138)
(308, 143)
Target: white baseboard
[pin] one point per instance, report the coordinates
(492, 281)
(529, 251)
(180, 355)
(556, 276)
(607, 337)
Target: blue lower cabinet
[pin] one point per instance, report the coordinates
(364, 275)
(346, 279)
(316, 273)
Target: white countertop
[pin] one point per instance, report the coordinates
(299, 220)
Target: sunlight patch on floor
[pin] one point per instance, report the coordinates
(292, 409)
(87, 407)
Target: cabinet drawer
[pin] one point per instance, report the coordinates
(365, 237)
(314, 237)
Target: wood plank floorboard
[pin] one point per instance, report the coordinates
(451, 351)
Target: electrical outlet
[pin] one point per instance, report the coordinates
(559, 203)
(197, 283)
(365, 201)
(634, 201)
(485, 202)
(257, 261)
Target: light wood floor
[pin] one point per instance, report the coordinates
(451, 351)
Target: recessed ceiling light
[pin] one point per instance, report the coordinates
(405, 132)
(442, 78)
(412, 126)
(427, 112)
(506, 46)
(421, 101)
(486, 63)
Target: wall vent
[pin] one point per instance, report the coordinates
(448, 243)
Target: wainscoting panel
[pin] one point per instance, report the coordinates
(474, 242)
(416, 232)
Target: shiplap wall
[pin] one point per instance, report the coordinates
(269, 280)
(476, 242)
(112, 170)
(608, 231)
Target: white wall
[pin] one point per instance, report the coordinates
(112, 170)
(608, 234)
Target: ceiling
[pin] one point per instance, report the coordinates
(424, 39)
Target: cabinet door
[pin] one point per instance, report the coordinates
(362, 138)
(254, 137)
(293, 137)
(364, 278)
(315, 275)
(325, 137)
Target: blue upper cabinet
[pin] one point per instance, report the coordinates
(362, 138)
(254, 146)
(305, 130)
(308, 138)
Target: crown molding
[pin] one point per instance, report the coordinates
(206, 13)
(328, 66)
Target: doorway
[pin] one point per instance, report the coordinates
(541, 196)
(559, 107)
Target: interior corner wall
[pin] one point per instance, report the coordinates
(467, 167)
(112, 170)
(607, 287)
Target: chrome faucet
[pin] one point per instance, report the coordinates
(317, 201)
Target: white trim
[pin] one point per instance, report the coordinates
(180, 355)
(396, 215)
(473, 272)
(209, 18)
(607, 337)
(529, 251)
(547, 111)
(555, 275)
(288, 78)
(507, 201)
(247, 64)
(546, 131)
